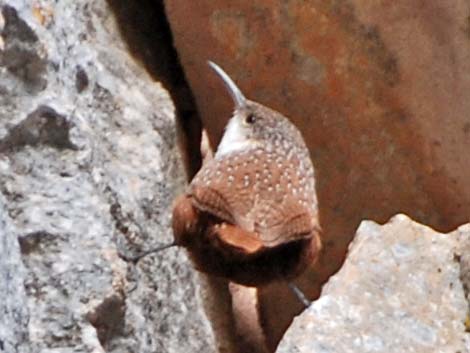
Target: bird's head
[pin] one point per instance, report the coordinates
(254, 125)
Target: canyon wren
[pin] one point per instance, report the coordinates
(250, 214)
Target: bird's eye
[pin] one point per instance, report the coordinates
(250, 119)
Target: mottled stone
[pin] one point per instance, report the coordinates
(88, 167)
(398, 291)
(14, 335)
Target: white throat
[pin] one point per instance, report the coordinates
(234, 138)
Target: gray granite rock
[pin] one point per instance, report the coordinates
(398, 291)
(88, 167)
(13, 308)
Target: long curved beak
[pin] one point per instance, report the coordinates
(238, 98)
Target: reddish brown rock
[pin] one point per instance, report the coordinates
(380, 90)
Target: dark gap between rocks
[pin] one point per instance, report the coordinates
(146, 31)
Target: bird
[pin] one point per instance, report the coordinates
(250, 214)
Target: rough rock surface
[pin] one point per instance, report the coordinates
(398, 291)
(88, 166)
(378, 88)
(13, 308)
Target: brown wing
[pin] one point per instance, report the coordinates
(252, 191)
(224, 188)
(287, 221)
(213, 201)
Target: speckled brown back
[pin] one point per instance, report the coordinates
(267, 191)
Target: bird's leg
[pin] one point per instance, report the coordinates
(184, 223)
(299, 294)
(136, 258)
